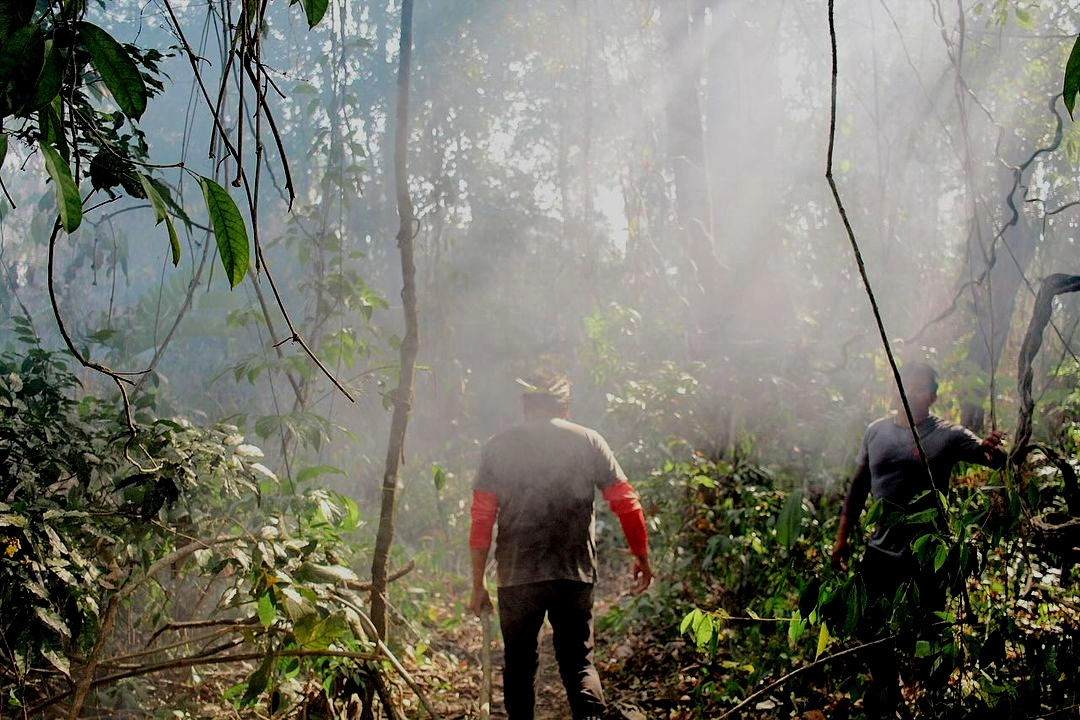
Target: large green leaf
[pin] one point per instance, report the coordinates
(52, 621)
(165, 193)
(14, 14)
(266, 610)
(21, 58)
(118, 71)
(438, 477)
(259, 680)
(1071, 85)
(789, 523)
(311, 631)
(50, 131)
(229, 230)
(822, 641)
(796, 627)
(49, 80)
(161, 213)
(314, 10)
(67, 194)
(60, 662)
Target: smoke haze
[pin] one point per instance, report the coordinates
(549, 169)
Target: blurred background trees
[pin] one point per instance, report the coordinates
(630, 190)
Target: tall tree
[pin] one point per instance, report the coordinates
(403, 394)
(684, 38)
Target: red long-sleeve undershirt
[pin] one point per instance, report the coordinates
(625, 503)
(620, 496)
(485, 508)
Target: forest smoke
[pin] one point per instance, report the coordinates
(631, 193)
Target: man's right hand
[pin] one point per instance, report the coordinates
(480, 602)
(642, 574)
(840, 553)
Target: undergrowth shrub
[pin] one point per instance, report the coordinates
(770, 603)
(733, 548)
(769, 624)
(150, 564)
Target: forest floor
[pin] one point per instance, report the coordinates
(649, 673)
(451, 674)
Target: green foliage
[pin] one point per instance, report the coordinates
(161, 214)
(1070, 85)
(652, 403)
(314, 11)
(49, 64)
(54, 474)
(751, 561)
(102, 521)
(117, 69)
(75, 93)
(229, 230)
(67, 194)
(755, 596)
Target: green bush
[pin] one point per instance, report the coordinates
(132, 547)
(746, 580)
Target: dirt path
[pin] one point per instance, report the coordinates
(451, 674)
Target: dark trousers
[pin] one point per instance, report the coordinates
(882, 576)
(568, 607)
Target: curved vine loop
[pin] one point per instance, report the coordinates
(1013, 220)
(1051, 287)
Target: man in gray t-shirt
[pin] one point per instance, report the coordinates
(897, 473)
(545, 473)
(888, 466)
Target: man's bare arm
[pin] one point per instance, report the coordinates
(853, 506)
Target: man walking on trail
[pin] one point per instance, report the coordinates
(888, 466)
(538, 480)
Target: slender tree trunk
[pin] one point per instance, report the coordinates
(994, 304)
(683, 22)
(403, 395)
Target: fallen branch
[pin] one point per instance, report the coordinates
(198, 624)
(771, 687)
(367, 628)
(196, 661)
(396, 575)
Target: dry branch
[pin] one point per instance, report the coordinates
(364, 627)
(773, 686)
(1051, 287)
(196, 661)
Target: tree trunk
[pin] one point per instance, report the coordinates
(683, 23)
(1003, 272)
(410, 344)
(993, 307)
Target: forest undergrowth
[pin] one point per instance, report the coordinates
(151, 567)
(749, 619)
